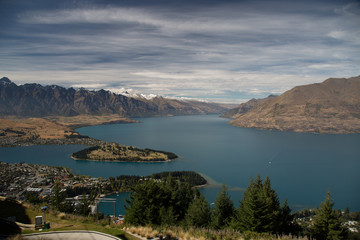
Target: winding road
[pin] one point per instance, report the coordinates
(70, 235)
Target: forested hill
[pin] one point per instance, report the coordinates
(35, 100)
(193, 178)
(332, 106)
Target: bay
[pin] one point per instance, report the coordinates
(302, 166)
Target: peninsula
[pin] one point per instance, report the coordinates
(117, 152)
(55, 130)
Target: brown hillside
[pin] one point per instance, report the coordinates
(332, 106)
(34, 128)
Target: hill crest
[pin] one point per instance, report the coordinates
(332, 106)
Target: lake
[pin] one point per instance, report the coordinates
(302, 166)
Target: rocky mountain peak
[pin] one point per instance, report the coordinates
(5, 80)
(35, 100)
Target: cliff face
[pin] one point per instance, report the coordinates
(329, 107)
(34, 100)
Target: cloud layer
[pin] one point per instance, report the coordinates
(217, 50)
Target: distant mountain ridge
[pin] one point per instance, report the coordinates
(35, 100)
(245, 107)
(332, 106)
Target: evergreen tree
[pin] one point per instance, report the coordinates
(157, 203)
(249, 214)
(270, 208)
(144, 204)
(180, 195)
(260, 210)
(32, 198)
(57, 196)
(135, 212)
(286, 224)
(68, 206)
(223, 211)
(198, 214)
(167, 216)
(83, 207)
(326, 223)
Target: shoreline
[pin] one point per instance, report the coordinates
(203, 185)
(87, 141)
(122, 153)
(77, 126)
(78, 159)
(21, 132)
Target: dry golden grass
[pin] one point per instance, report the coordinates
(55, 127)
(34, 128)
(62, 215)
(118, 152)
(202, 234)
(90, 120)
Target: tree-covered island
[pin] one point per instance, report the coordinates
(117, 152)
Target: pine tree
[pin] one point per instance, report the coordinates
(135, 212)
(250, 212)
(181, 195)
(144, 204)
(223, 211)
(260, 209)
(167, 216)
(271, 207)
(198, 214)
(83, 207)
(57, 196)
(286, 224)
(158, 203)
(327, 224)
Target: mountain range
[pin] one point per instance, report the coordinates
(35, 100)
(332, 106)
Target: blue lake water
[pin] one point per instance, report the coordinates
(302, 166)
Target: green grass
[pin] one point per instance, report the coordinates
(74, 222)
(58, 221)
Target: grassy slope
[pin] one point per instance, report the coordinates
(34, 127)
(90, 120)
(59, 221)
(55, 127)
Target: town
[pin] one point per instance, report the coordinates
(18, 179)
(40, 183)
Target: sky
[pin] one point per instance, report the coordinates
(215, 50)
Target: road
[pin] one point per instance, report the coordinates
(70, 235)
